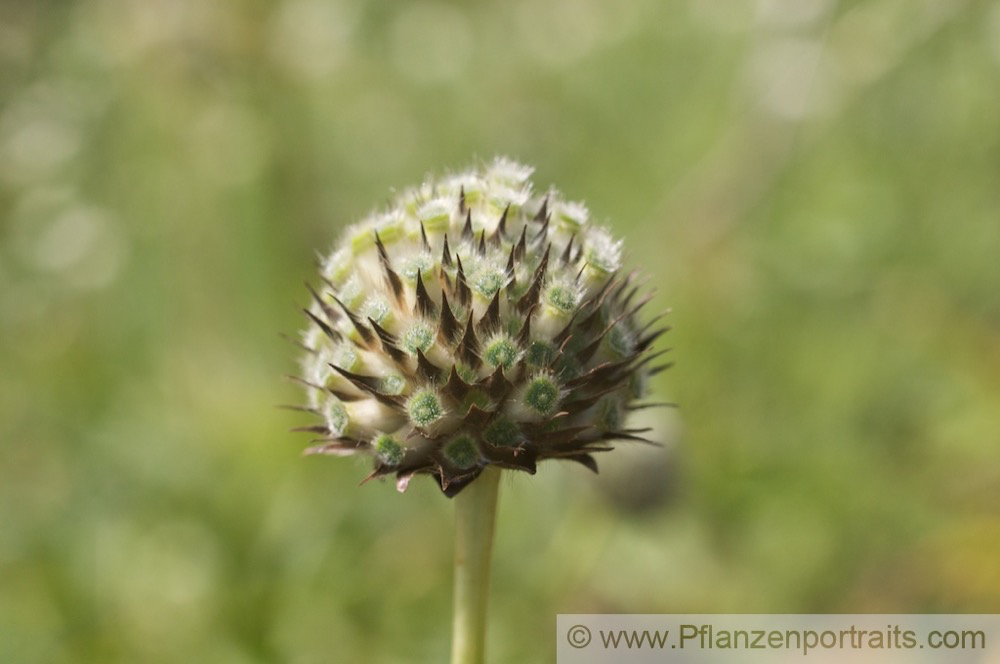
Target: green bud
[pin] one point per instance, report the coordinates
(421, 264)
(378, 309)
(392, 384)
(388, 450)
(476, 398)
(542, 394)
(461, 452)
(562, 297)
(620, 341)
(424, 408)
(501, 351)
(502, 432)
(351, 293)
(540, 354)
(345, 357)
(336, 416)
(419, 336)
(489, 281)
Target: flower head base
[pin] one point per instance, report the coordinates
(474, 323)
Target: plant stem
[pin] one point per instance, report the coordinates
(475, 512)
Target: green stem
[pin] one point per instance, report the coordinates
(475, 512)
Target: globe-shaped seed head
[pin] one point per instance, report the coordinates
(475, 321)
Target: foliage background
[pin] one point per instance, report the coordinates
(810, 184)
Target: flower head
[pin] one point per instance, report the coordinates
(475, 322)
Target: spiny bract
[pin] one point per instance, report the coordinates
(475, 322)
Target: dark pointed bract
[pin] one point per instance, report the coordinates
(448, 325)
(468, 349)
(389, 343)
(425, 305)
(392, 279)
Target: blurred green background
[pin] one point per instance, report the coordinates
(811, 186)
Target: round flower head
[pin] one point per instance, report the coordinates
(475, 322)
